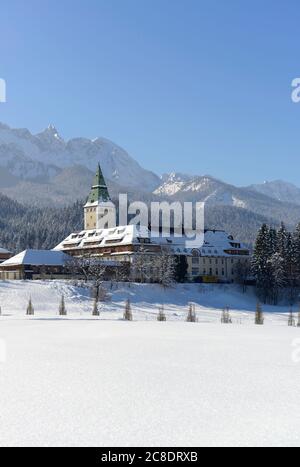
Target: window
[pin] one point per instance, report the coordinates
(195, 260)
(195, 271)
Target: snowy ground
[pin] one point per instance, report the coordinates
(84, 381)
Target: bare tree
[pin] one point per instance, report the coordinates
(80, 266)
(143, 265)
(98, 271)
(122, 272)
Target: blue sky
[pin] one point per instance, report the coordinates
(194, 86)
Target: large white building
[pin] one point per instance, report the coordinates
(216, 260)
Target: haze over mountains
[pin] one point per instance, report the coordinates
(45, 170)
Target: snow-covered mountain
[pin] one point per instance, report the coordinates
(214, 193)
(42, 156)
(280, 190)
(201, 188)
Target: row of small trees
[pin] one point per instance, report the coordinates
(191, 316)
(62, 311)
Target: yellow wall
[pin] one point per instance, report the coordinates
(90, 218)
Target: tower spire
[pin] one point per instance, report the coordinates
(99, 191)
(99, 210)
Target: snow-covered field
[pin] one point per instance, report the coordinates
(105, 382)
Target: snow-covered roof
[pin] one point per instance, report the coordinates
(216, 242)
(122, 235)
(4, 251)
(37, 258)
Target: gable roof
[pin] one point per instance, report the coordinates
(37, 258)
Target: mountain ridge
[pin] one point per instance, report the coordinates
(44, 170)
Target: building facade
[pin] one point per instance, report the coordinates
(35, 264)
(218, 260)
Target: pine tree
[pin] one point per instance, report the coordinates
(282, 239)
(30, 309)
(260, 262)
(62, 307)
(276, 265)
(96, 311)
(161, 314)
(181, 269)
(291, 320)
(296, 259)
(128, 312)
(298, 324)
(259, 316)
(191, 317)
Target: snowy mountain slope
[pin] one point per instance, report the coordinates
(217, 193)
(45, 154)
(280, 190)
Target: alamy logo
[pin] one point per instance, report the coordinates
(2, 90)
(296, 90)
(183, 219)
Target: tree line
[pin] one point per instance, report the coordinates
(276, 263)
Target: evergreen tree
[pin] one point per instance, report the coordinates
(62, 307)
(191, 317)
(273, 241)
(298, 324)
(261, 267)
(296, 258)
(181, 269)
(30, 309)
(259, 316)
(282, 240)
(161, 314)
(278, 274)
(128, 312)
(226, 318)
